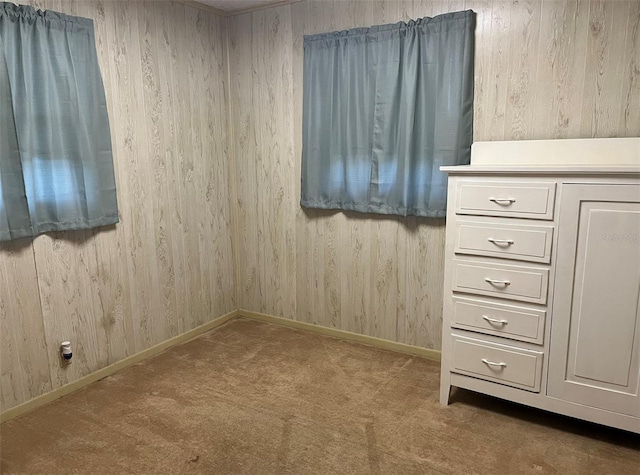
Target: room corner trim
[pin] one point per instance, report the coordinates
(204, 7)
(57, 393)
(433, 355)
(265, 6)
(240, 11)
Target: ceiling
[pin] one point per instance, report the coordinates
(231, 6)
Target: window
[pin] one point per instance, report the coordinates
(384, 108)
(56, 165)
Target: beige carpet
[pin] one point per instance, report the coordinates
(256, 398)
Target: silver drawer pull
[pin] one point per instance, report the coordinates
(507, 242)
(491, 363)
(497, 282)
(503, 201)
(495, 320)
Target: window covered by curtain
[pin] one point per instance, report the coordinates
(384, 108)
(56, 165)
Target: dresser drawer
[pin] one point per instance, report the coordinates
(504, 240)
(528, 284)
(488, 198)
(508, 321)
(500, 363)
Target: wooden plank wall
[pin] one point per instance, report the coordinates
(544, 70)
(168, 266)
(552, 69)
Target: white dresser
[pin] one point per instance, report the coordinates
(542, 277)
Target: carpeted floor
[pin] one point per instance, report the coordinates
(251, 397)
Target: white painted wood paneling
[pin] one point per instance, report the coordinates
(544, 70)
(167, 267)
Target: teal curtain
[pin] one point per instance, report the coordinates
(56, 165)
(383, 108)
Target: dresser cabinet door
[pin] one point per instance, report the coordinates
(594, 353)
